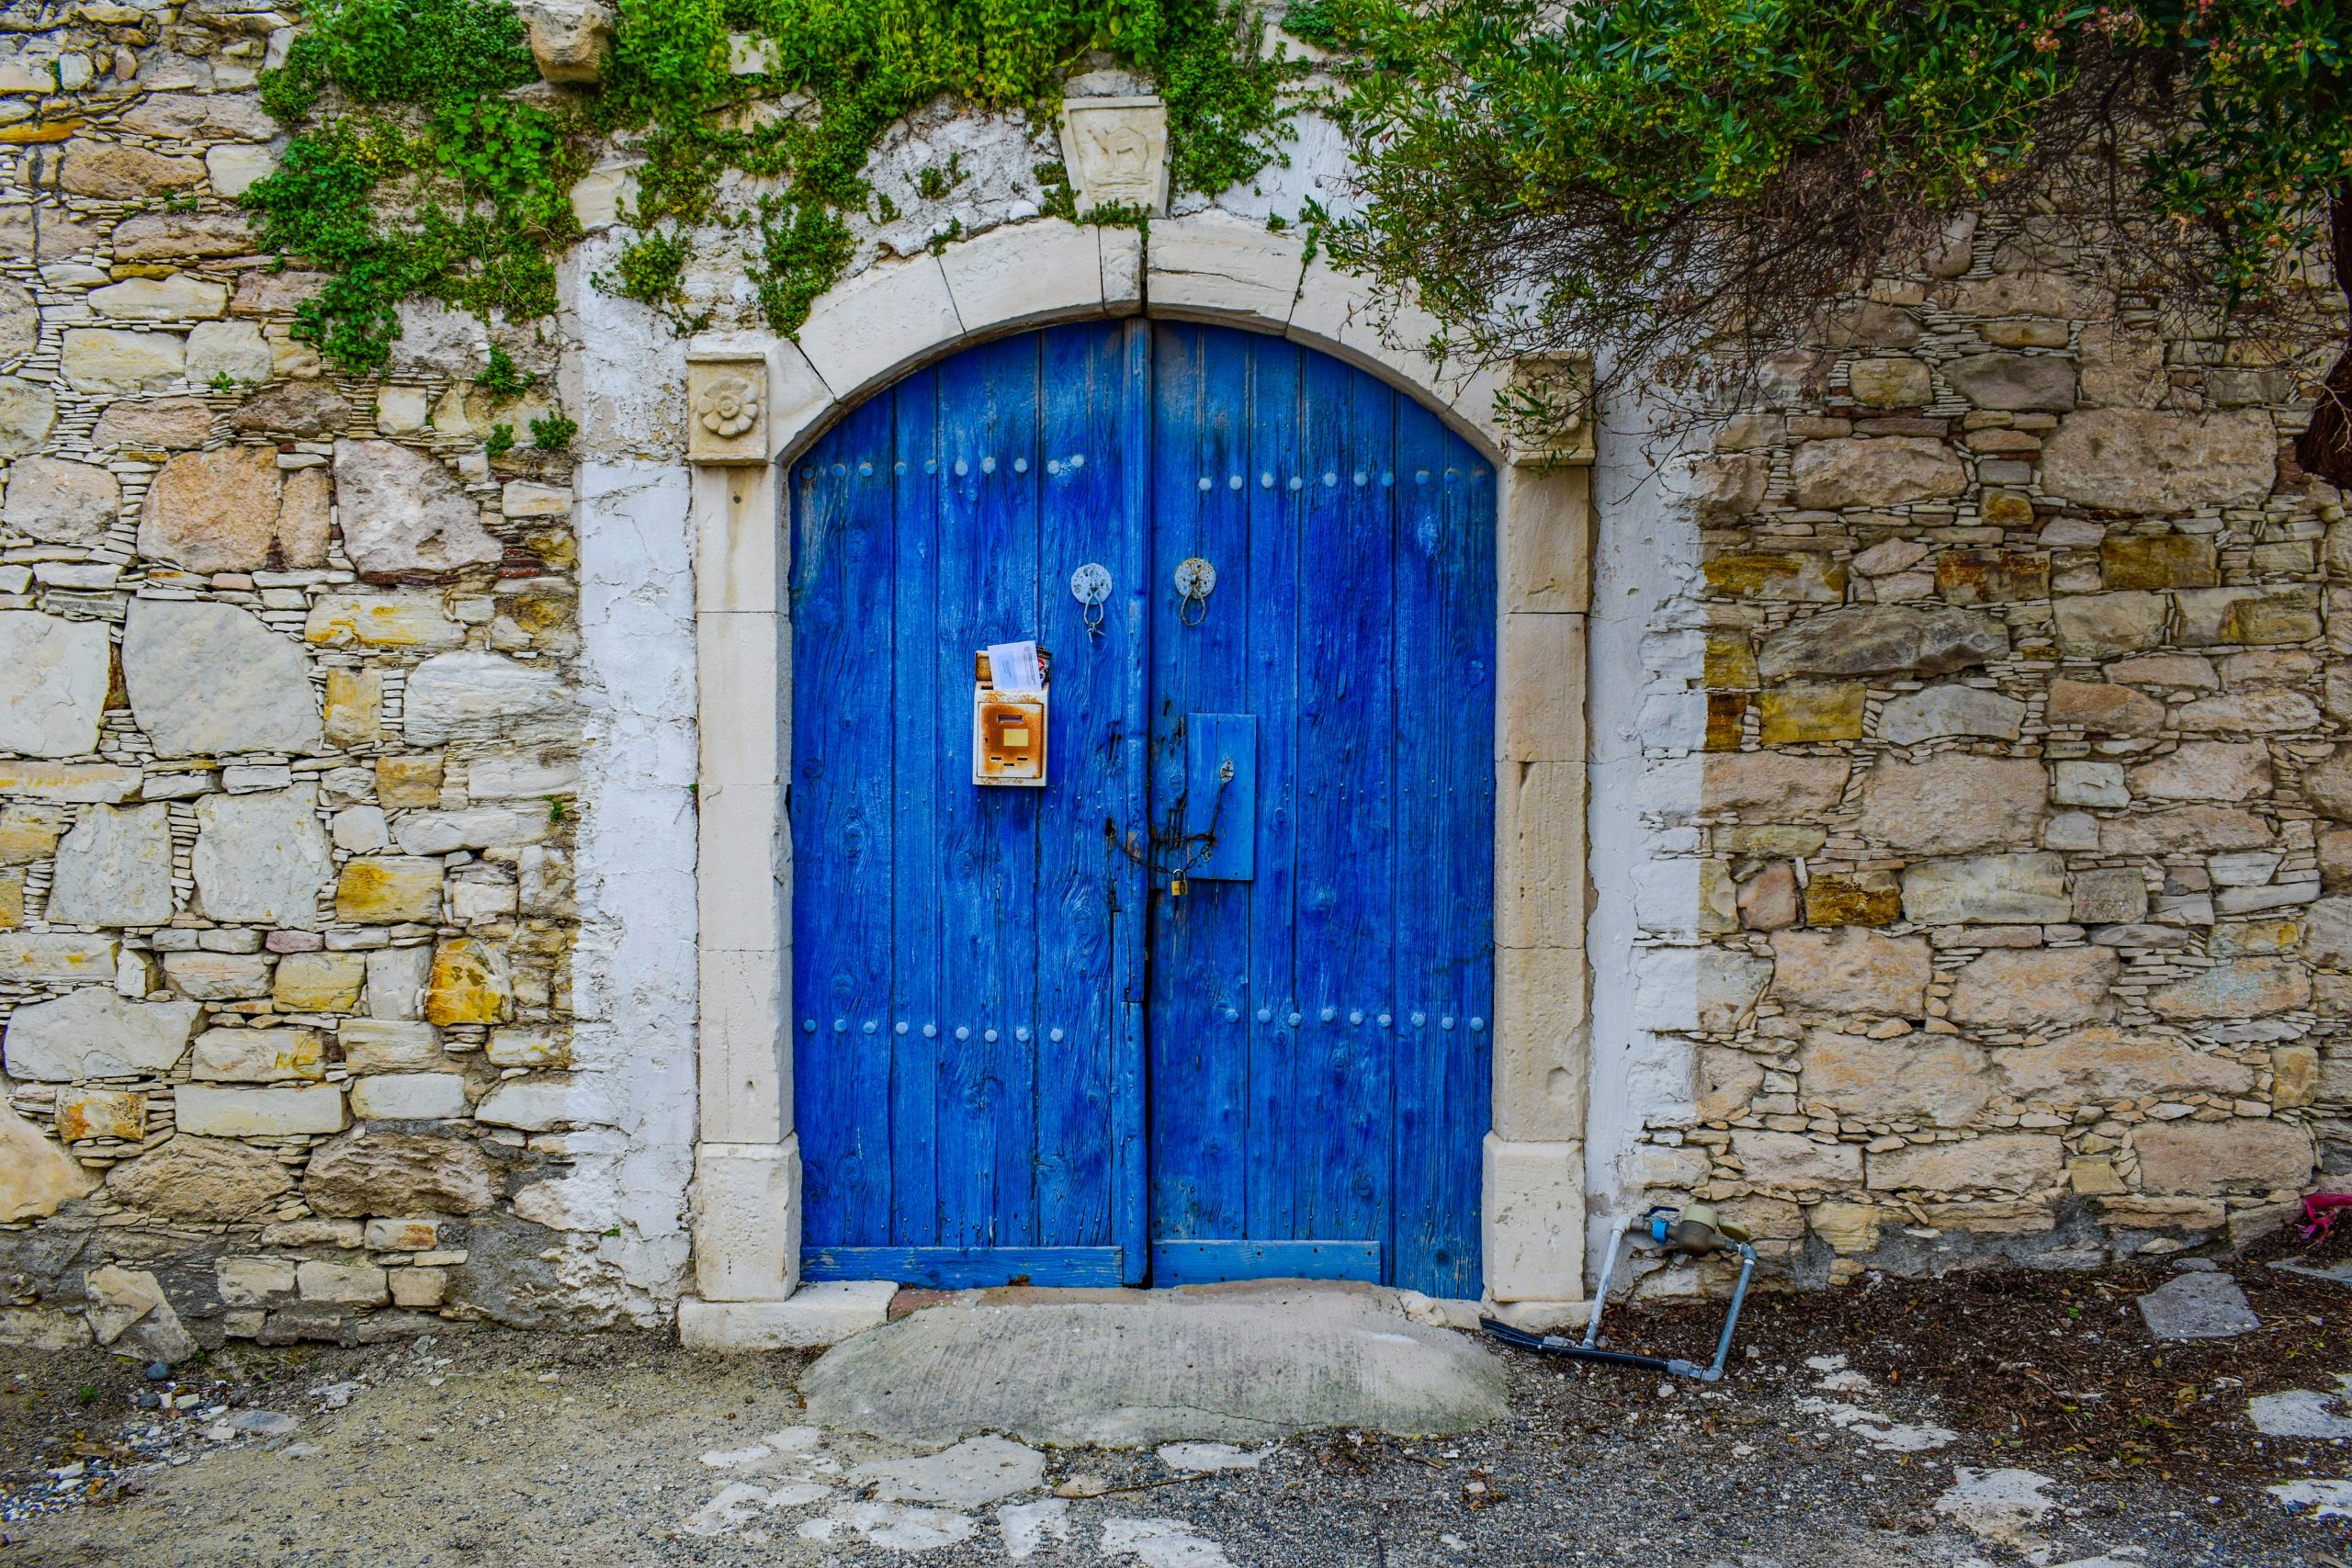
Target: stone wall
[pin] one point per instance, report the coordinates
(2023, 878)
(289, 735)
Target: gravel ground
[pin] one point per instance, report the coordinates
(493, 1447)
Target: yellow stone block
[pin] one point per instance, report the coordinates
(1865, 898)
(1726, 711)
(12, 899)
(405, 783)
(2093, 1178)
(100, 1113)
(470, 985)
(355, 709)
(319, 982)
(1730, 662)
(382, 890)
(1792, 714)
(28, 834)
(342, 620)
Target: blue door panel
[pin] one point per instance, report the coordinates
(1021, 1054)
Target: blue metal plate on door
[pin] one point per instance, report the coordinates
(1221, 796)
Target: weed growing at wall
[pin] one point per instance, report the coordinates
(417, 170)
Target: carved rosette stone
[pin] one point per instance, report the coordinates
(1547, 410)
(726, 410)
(1115, 151)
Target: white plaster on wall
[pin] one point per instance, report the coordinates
(634, 969)
(1646, 729)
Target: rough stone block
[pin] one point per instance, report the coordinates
(2032, 987)
(1939, 1080)
(259, 1055)
(262, 858)
(2005, 1162)
(1878, 471)
(2014, 381)
(1793, 1162)
(2204, 770)
(115, 869)
(2099, 625)
(91, 1032)
(1991, 577)
(2242, 988)
(344, 1284)
(1778, 577)
(114, 362)
(1792, 714)
(2159, 561)
(1883, 639)
(389, 1045)
(2245, 1154)
(1951, 803)
(2102, 708)
(388, 890)
(52, 684)
(2138, 460)
(319, 982)
(374, 1170)
(59, 501)
(1987, 889)
(485, 697)
(1934, 713)
(101, 1113)
(409, 1097)
(211, 1112)
(1850, 970)
(209, 678)
(2111, 895)
(1767, 787)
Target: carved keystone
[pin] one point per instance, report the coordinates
(1116, 152)
(1546, 408)
(727, 408)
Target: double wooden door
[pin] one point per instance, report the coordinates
(1214, 1002)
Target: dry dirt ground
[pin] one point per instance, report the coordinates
(1983, 1420)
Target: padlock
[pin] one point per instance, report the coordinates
(1176, 887)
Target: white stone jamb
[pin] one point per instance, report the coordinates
(746, 1211)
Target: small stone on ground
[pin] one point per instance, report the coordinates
(2198, 1306)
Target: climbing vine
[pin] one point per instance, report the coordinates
(417, 169)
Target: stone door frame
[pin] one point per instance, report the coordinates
(755, 402)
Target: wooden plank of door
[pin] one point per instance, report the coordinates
(927, 728)
(1079, 476)
(1198, 1126)
(1345, 893)
(843, 819)
(1469, 559)
(1127, 615)
(1012, 594)
(1425, 771)
(1277, 502)
(1207, 1262)
(974, 891)
(964, 1267)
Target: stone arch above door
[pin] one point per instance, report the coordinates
(755, 401)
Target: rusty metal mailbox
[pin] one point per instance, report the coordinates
(1009, 729)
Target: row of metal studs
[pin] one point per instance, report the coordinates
(1232, 1015)
(1232, 482)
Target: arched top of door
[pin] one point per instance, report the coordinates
(758, 398)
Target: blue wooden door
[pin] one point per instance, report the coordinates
(1022, 1053)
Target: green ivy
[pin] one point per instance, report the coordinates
(416, 171)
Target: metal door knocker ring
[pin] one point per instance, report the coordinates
(1090, 585)
(1195, 580)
